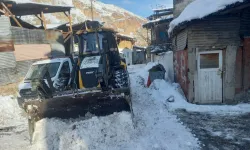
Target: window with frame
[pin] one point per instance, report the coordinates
(65, 68)
(209, 61)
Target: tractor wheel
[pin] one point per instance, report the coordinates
(121, 79)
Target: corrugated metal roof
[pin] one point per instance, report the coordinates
(26, 36)
(31, 8)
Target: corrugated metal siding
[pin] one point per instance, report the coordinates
(8, 75)
(245, 23)
(23, 67)
(182, 40)
(214, 32)
(27, 36)
(6, 43)
(5, 33)
(174, 43)
(23, 36)
(7, 60)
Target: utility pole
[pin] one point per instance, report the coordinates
(92, 13)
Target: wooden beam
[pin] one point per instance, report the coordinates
(44, 21)
(66, 14)
(2, 11)
(70, 23)
(12, 16)
(67, 37)
(39, 17)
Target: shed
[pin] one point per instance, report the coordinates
(212, 52)
(22, 43)
(125, 41)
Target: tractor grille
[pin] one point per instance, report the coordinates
(89, 78)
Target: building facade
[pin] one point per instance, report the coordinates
(212, 55)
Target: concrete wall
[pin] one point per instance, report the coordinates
(229, 73)
(179, 6)
(166, 59)
(128, 55)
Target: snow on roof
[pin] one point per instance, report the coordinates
(141, 47)
(160, 19)
(161, 9)
(200, 9)
(57, 3)
(124, 35)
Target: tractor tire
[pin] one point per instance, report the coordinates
(120, 79)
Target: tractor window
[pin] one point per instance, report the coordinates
(65, 68)
(90, 44)
(36, 70)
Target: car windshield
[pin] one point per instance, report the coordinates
(36, 70)
(90, 44)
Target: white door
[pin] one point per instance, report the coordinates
(209, 77)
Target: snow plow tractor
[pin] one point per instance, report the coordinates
(97, 82)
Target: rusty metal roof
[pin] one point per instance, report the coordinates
(23, 9)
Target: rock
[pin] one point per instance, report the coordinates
(171, 99)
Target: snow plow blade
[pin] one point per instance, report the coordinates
(97, 103)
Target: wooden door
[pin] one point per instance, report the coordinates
(209, 77)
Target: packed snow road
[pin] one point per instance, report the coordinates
(13, 125)
(151, 127)
(219, 132)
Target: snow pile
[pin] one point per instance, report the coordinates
(152, 126)
(110, 132)
(10, 113)
(144, 72)
(162, 90)
(200, 9)
(156, 127)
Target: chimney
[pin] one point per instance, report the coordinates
(179, 6)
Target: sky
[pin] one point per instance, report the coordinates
(140, 7)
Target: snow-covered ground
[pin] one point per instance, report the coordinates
(10, 114)
(13, 125)
(154, 125)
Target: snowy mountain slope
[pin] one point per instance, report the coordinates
(115, 17)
